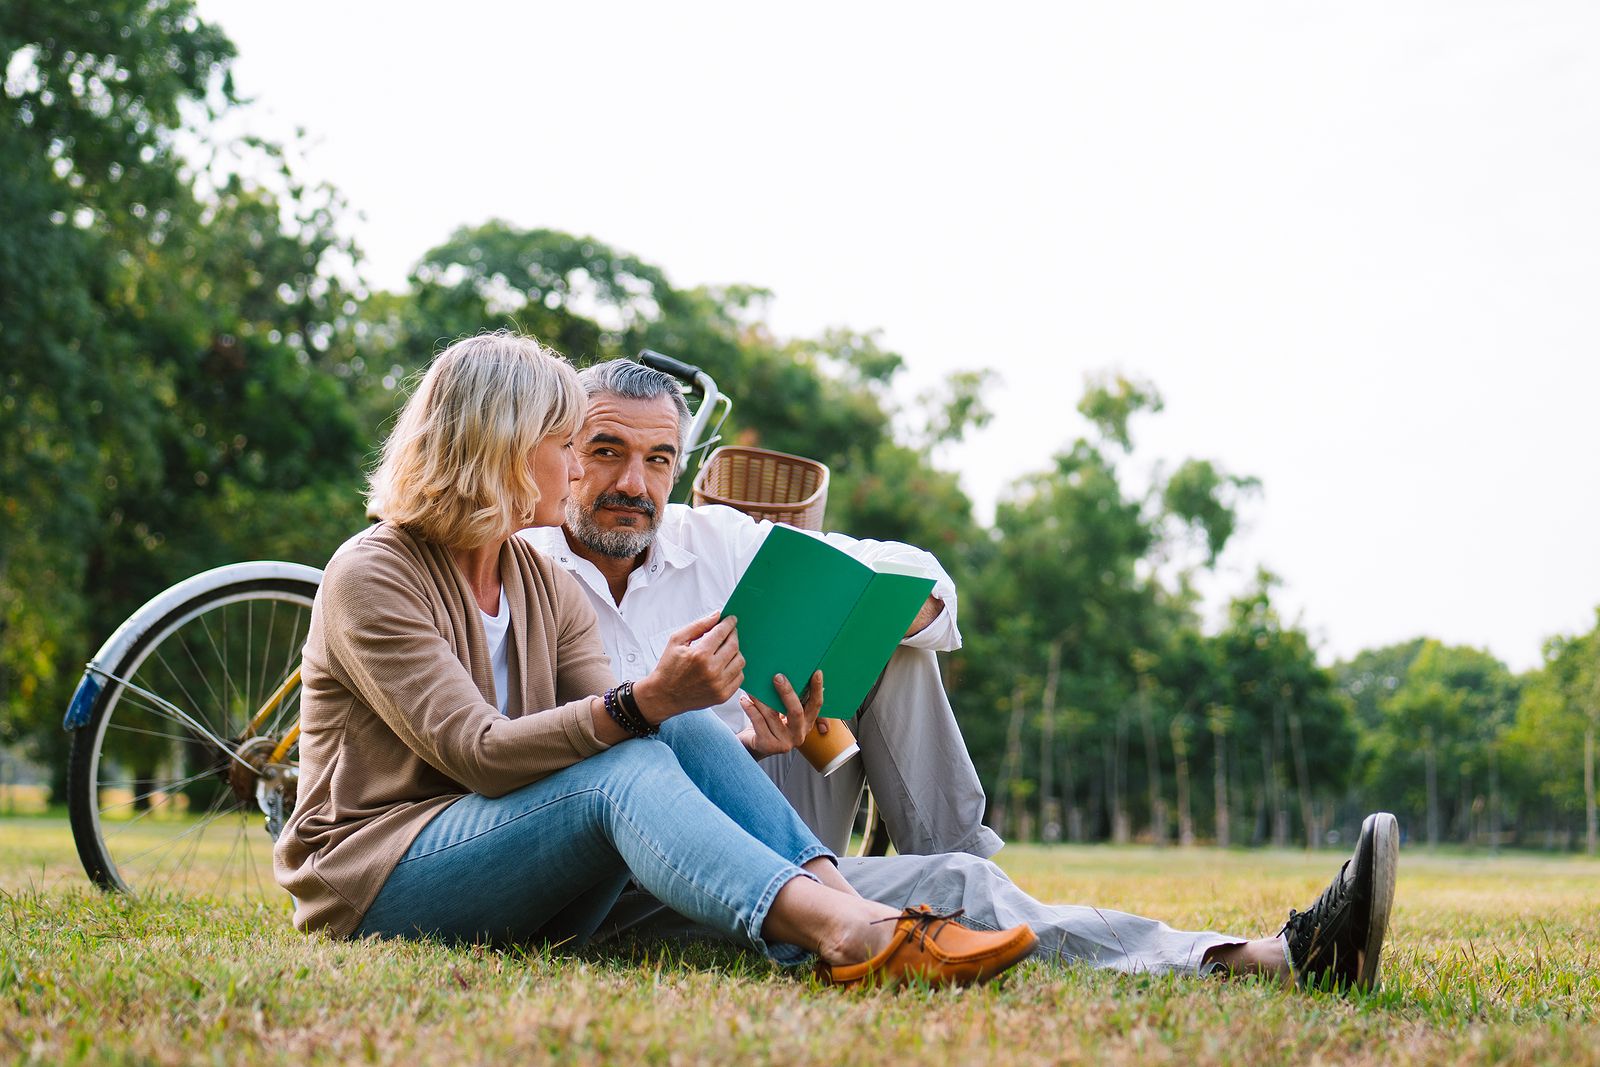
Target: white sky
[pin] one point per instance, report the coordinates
(1356, 246)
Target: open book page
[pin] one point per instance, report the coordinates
(803, 604)
(868, 638)
(790, 603)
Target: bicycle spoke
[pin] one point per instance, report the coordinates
(252, 698)
(177, 714)
(124, 826)
(187, 697)
(230, 688)
(291, 658)
(205, 677)
(264, 887)
(148, 733)
(206, 820)
(169, 788)
(266, 646)
(162, 747)
(226, 864)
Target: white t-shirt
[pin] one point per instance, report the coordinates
(495, 628)
(690, 570)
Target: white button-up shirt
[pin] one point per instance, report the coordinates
(696, 559)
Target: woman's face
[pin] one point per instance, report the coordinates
(555, 464)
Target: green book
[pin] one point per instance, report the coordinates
(803, 605)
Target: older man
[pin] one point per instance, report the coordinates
(650, 567)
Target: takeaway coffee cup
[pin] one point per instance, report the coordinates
(827, 752)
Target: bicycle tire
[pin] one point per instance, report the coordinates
(159, 804)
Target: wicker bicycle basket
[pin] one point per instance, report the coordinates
(765, 485)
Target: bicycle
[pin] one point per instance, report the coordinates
(186, 721)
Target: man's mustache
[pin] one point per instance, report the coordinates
(622, 500)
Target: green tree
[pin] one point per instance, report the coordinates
(89, 184)
(1293, 735)
(825, 397)
(1370, 677)
(1434, 751)
(1551, 745)
(1074, 619)
(182, 382)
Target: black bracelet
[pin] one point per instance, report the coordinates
(630, 710)
(610, 700)
(624, 711)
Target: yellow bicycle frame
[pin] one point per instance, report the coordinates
(271, 705)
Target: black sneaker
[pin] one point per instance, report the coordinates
(1335, 943)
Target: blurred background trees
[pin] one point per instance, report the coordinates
(192, 373)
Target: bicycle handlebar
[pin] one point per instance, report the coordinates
(667, 365)
(706, 421)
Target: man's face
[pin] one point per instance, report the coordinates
(629, 450)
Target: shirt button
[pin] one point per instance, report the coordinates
(653, 567)
(631, 657)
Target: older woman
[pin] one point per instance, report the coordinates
(470, 769)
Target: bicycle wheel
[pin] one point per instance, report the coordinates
(187, 748)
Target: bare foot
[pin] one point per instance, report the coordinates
(1263, 956)
(859, 935)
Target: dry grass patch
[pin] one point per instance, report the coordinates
(1492, 960)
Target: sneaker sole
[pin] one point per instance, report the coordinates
(1385, 832)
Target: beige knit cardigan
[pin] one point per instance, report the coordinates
(398, 716)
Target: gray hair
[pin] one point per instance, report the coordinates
(635, 381)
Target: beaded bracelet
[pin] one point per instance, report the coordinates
(631, 710)
(624, 711)
(610, 700)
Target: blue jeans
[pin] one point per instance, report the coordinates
(688, 816)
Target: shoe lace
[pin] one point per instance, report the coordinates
(922, 919)
(1324, 916)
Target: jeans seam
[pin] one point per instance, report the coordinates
(815, 852)
(779, 880)
(491, 829)
(764, 905)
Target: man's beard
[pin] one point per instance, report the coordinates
(619, 543)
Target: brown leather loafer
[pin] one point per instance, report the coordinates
(929, 946)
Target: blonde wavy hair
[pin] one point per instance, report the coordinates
(455, 469)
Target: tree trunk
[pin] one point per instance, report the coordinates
(1302, 780)
(1219, 783)
(1180, 759)
(1069, 787)
(1049, 807)
(1494, 798)
(1096, 791)
(1121, 828)
(1268, 803)
(1591, 821)
(1004, 802)
(1431, 773)
(1280, 809)
(1152, 771)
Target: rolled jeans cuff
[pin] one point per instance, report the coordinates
(784, 955)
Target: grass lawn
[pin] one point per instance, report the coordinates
(1490, 960)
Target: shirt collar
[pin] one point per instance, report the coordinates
(664, 549)
(669, 550)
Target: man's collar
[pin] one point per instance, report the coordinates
(672, 552)
(663, 549)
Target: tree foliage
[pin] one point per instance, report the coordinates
(191, 373)
(176, 390)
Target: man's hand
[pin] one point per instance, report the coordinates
(770, 732)
(701, 667)
(925, 615)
